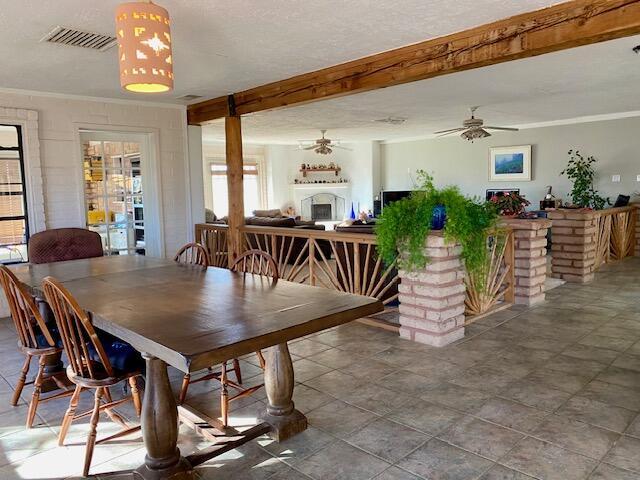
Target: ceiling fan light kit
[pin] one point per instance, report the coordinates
(473, 128)
(144, 47)
(322, 146)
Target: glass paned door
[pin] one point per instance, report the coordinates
(114, 196)
(14, 228)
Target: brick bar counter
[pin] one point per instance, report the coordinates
(530, 236)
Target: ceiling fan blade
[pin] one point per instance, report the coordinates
(451, 130)
(312, 147)
(340, 146)
(502, 128)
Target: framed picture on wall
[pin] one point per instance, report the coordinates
(510, 164)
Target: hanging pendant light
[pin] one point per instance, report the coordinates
(144, 47)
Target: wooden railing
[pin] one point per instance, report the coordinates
(615, 234)
(215, 240)
(494, 283)
(349, 262)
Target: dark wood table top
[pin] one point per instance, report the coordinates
(193, 318)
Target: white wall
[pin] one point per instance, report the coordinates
(359, 165)
(281, 164)
(454, 161)
(60, 119)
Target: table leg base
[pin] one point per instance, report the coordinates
(285, 426)
(180, 471)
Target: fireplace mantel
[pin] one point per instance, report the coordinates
(319, 186)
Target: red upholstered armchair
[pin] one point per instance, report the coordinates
(59, 244)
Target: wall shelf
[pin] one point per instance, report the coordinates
(304, 171)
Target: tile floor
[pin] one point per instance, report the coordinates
(551, 392)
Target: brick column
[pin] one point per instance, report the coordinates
(530, 237)
(573, 244)
(432, 300)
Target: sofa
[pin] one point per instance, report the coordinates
(275, 218)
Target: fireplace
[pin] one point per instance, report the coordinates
(322, 207)
(321, 211)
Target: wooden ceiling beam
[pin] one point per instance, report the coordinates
(566, 25)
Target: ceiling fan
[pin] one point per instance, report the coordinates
(323, 146)
(473, 128)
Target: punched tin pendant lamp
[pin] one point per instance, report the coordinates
(144, 47)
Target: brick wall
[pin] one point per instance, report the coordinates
(432, 300)
(59, 119)
(530, 258)
(573, 250)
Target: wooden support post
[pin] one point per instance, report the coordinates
(233, 133)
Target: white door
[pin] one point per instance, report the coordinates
(120, 192)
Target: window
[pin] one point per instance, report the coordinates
(114, 196)
(14, 228)
(252, 188)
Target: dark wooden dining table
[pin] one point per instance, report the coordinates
(192, 318)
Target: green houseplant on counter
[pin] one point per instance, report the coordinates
(580, 172)
(405, 224)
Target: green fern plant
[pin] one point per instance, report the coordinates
(405, 224)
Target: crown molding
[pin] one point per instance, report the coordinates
(69, 96)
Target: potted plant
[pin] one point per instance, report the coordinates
(405, 224)
(580, 171)
(510, 204)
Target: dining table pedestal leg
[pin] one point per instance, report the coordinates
(160, 428)
(281, 415)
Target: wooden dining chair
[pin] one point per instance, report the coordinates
(35, 339)
(192, 254)
(97, 361)
(254, 262)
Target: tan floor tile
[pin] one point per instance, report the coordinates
(544, 460)
(340, 461)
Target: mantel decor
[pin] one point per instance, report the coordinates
(509, 164)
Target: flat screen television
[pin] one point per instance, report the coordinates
(390, 196)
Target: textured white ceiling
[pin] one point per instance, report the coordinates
(223, 46)
(598, 79)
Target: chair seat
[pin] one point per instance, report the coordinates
(123, 357)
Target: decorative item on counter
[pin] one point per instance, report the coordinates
(352, 215)
(550, 201)
(510, 204)
(303, 166)
(528, 215)
(439, 217)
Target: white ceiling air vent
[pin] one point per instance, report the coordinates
(189, 97)
(392, 120)
(79, 38)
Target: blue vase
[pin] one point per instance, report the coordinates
(352, 215)
(439, 217)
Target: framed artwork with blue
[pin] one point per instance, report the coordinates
(510, 164)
